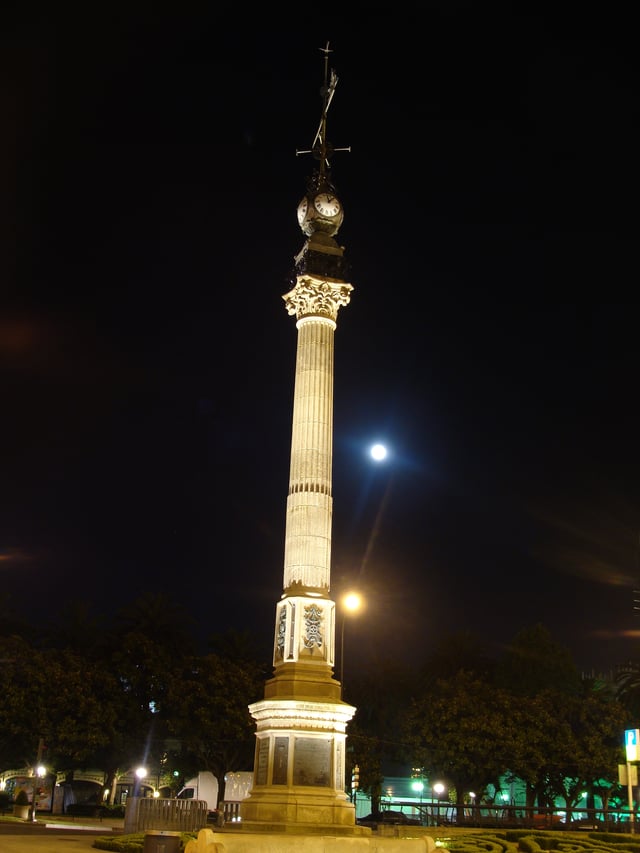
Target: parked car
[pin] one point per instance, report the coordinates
(588, 823)
(387, 816)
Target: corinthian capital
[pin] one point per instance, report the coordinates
(317, 297)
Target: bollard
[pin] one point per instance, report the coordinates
(161, 841)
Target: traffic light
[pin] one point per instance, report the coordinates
(355, 778)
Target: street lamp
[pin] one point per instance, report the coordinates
(39, 773)
(141, 773)
(438, 790)
(351, 602)
(418, 787)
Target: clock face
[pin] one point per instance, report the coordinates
(302, 210)
(327, 204)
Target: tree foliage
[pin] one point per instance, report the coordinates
(206, 707)
(139, 692)
(534, 661)
(373, 739)
(462, 732)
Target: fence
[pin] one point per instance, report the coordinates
(231, 810)
(443, 814)
(144, 813)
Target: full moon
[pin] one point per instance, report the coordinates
(378, 452)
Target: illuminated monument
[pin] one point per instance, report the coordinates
(299, 770)
(298, 800)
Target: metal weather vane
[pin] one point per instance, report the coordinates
(321, 148)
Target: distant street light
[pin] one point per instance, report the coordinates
(141, 773)
(438, 790)
(351, 603)
(39, 774)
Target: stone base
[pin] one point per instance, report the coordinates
(287, 807)
(302, 829)
(209, 841)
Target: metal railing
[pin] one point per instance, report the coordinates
(231, 810)
(443, 814)
(170, 814)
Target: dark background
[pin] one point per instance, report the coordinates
(150, 185)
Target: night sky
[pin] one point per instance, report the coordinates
(150, 184)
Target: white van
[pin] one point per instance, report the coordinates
(204, 786)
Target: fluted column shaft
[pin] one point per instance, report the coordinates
(307, 552)
(307, 559)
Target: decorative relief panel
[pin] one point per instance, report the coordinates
(281, 633)
(313, 627)
(291, 632)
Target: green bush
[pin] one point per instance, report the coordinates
(21, 798)
(112, 811)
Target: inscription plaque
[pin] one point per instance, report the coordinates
(312, 762)
(263, 761)
(280, 761)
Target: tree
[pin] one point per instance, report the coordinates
(81, 709)
(461, 731)
(148, 639)
(20, 709)
(56, 696)
(373, 736)
(460, 651)
(534, 661)
(585, 746)
(75, 628)
(627, 687)
(532, 723)
(206, 707)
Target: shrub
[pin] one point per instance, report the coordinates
(112, 811)
(21, 798)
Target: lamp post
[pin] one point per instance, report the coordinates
(141, 773)
(418, 787)
(355, 783)
(632, 744)
(438, 790)
(39, 773)
(351, 603)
